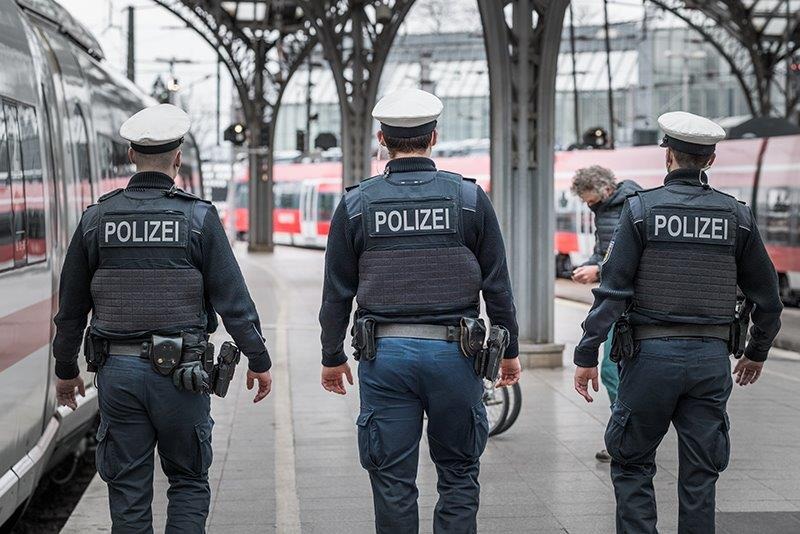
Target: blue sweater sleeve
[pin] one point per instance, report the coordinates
(616, 288)
(339, 288)
(759, 282)
(227, 292)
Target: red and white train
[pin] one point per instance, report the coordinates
(60, 112)
(306, 195)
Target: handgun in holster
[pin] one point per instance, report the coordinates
(363, 339)
(224, 369)
(495, 350)
(741, 321)
(623, 344)
(95, 350)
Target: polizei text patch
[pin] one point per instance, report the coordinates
(410, 218)
(143, 230)
(711, 227)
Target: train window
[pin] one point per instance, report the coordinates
(36, 223)
(80, 154)
(17, 185)
(287, 195)
(777, 216)
(6, 215)
(104, 152)
(327, 205)
(242, 197)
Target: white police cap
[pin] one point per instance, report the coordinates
(156, 129)
(407, 113)
(690, 133)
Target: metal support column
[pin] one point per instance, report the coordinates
(260, 201)
(131, 66)
(523, 101)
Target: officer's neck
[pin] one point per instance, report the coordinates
(400, 155)
(152, 168)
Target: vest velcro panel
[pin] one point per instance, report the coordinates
(139, 300)
(418, 280)
(700, 282)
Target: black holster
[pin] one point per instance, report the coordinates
(473, 335)
(623, 344)
(223, 371)
(363, 339)
(95, 350)
(487, 362)
(738, 336)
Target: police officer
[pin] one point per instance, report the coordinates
(416, 246)
(597, 187)
(153, 265)
(677, 257)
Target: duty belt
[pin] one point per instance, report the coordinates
(123, 348)
(681, 330)
(419, 331)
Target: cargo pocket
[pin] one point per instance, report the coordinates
(615, 431)
(204, 451)
(480, 429)
(722, 446)
(106, 460)
(370, 448)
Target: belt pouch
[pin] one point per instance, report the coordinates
(165, 353)
(364, 339)
(623, 345)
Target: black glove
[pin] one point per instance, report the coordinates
(191, 377)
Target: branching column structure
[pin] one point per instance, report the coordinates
(261, 51)
(757, 38)
(522, 42)
(356, 36)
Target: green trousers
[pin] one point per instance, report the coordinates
(609, 375)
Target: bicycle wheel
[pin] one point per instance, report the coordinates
(496, 402)
(515, 405)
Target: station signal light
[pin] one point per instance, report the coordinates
(236, 133)
(596, 137)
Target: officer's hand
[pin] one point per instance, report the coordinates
(264, 383)
(65, 391)
(747, 371)
(332, 378)
(582, 377)
(588, 274)
(510, 371)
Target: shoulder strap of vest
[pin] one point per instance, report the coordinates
(637, 207)
(109, 195)
(469, 194)
(352, 199)
(180, 193)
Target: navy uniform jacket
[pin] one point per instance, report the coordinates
(756, 278)
(346, 243)
(224, 285)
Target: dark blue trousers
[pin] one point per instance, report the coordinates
(409, 378)
(140, 409)
(686, 382)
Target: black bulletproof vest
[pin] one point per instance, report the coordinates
(687, 272)
(145, 282)
(415, 261)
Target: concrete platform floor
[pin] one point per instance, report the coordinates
(290, 464)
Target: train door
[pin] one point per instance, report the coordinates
(308, 213)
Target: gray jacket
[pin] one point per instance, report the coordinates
(606, 217)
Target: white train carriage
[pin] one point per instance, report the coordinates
(60, 111)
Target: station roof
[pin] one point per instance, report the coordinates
(470, 78)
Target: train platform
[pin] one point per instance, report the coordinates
(290, 464)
